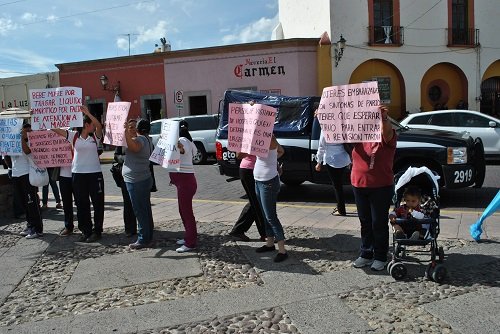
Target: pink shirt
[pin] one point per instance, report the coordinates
(248, 162)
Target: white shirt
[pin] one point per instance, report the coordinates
(65, 171)
(332, 154)
(20, 165)
(85, 159)
(190, 151)
(266, 168)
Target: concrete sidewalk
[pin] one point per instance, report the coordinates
(56, 285)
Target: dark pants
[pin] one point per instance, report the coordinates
(66, 185)
(373, 207)
(55, 189)
(86, 187)
(30, 202)
(128, 212)
(252, 210)
(336, 176)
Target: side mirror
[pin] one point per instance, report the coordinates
(492, 124)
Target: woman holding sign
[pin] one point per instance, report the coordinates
(185, 182)
(267, 187)
(88, 182)
(373, 186)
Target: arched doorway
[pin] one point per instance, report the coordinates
(391, 84)
(490, 90)
(444, 86)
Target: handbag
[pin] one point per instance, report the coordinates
(38, 177)
(116, 172)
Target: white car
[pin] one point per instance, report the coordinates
(477, 124)
(202, 129)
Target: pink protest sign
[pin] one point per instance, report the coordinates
(48, 149)
(56, 108)
(116, 115)
(250, 128)
(350, 113)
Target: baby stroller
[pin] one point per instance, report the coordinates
(426, 180)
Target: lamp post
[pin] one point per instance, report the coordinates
(339, 49)
(112, 88)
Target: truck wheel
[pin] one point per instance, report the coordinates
(201, 156)
(479, 163)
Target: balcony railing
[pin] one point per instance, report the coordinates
(386, 35)
(463, 37)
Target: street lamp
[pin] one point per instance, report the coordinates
(339, 49)
(113, 88)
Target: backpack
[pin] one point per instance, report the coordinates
(98, 143)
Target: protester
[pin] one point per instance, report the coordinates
(373, 186)
(138, 179)
(129, 218)
(88, 182)
(65, 183)
(29, 194)
(252, 210)
(185, 182)
(336, 159)
(267, 187)
(55, 191)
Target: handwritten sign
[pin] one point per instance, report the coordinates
(10, 136)
(350, 113)
(48, 149)
(166, 153)
(250, 128)
(56, 108)
(116, 115)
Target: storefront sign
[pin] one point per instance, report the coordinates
(261, 67)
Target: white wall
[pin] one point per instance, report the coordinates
(14, 91)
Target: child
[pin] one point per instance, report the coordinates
(409, 210)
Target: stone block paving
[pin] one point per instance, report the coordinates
(56, 284)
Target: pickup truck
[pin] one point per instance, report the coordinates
(457, 158)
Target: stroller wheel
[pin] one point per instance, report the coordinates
(389, 266)
(398, 271)
(428, 272)
(439, 273)
(440, 254)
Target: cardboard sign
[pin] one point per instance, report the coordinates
(10, 136)
(48, 149)
(350, 113)
(56, 108)
(250, 128)
(116, 115)
(166, 153)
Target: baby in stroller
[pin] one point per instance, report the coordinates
(408, 212)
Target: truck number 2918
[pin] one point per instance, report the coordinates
(463, 176)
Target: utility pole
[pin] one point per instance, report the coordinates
(129, 40)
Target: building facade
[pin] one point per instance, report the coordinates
(14, 91)
(425, 54)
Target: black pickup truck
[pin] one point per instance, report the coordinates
(457, 158)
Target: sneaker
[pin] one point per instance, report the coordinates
(34, 235)
(183, 249)
(415, 236)
(66, 232)
(25, 232)
(180, 242)
(265, 248)
(280, 257)
(44, 207)
(59, 206)
(138, 245)
(361, 262)
(240, 236)
(83, 238)
(93, 237)
(378, 265)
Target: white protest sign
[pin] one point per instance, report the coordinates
(250, 128)
(350, 113)
(166, 153)
(116, 115)
(10, 136)
(56, 108)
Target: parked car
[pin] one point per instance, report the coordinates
(458, 159)
(477, 124)
(202, 128)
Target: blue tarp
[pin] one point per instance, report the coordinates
(475, 229)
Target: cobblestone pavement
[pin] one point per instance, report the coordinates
(380, 303)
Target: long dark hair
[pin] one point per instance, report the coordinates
(184, 132)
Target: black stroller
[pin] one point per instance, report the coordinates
(426, 180)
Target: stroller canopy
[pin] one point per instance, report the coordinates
(420, 176)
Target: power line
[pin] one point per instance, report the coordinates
(418, 18)
(10, 3)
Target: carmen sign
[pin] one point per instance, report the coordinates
(263, 67)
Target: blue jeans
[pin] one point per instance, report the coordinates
(267, 194)
(373, 207)
(140, 196)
